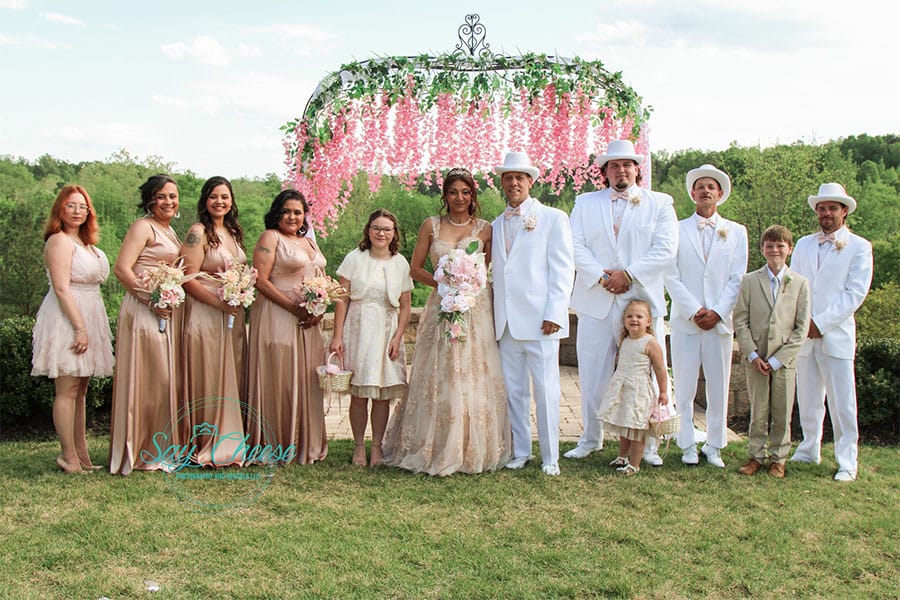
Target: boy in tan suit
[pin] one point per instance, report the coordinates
(771, 319)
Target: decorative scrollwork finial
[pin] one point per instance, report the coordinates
(471, 36)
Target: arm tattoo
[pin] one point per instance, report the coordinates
(192, 239)
(264, 249)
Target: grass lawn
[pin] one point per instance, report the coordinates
(334, 530)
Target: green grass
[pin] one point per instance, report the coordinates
(333, 530)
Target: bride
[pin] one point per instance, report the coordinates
(453, 416)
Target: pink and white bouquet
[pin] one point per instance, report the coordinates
(237, 288)
(164, 282)
(460, 275)
(316, 293)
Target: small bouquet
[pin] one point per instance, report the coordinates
(460, 275)
(316, 293)
(164, 284)
(237, 289)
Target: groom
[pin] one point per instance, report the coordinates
(533, 271)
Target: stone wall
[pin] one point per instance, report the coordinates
(738, 399)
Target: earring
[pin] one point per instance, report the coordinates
(178, 215)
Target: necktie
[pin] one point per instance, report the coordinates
(826, 237)
(618, 195)
(775, 285)
(703, 223)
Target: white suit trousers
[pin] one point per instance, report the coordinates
(820, 376)
(532, 365)
(596, 348)
(712, 350)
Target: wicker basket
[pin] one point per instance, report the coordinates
(333, 382)
(668, 426)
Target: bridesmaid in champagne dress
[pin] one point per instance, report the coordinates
(285, 340)
(71, 338)
(213, 367)
(146, 398)
(453, 417)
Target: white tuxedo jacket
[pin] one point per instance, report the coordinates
(533, 283)
(646, 247)
(838, 288)
(714, 283)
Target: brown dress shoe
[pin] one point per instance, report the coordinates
(776, 469)
(751, 467)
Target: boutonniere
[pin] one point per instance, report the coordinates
(787, 280)
(840, 245)
(635, 200)
(529, 222)
(722, 234)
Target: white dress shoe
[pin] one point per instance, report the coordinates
(845, 476)
(578, 452)
(712, 456)
(653, 459)
(517, 463)
(551, 470)
(689, 455)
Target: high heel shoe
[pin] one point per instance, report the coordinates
(359, 455)
(67, 468)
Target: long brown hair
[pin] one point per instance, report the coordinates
(89, 231)
(230, 221)
(460, 174)
(366, 242)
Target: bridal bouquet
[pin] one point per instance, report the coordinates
(237, 289)
(316, 293)
(164, 284)
(460, 275)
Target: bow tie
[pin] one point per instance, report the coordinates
(614, 195)
(702, 223)
(826, 237)
(511, 212)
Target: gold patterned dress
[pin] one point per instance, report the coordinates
(283, 392)
(214, 368)
(453, 417)
(146, 398)
(629, 399)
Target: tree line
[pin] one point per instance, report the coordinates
(770, 185)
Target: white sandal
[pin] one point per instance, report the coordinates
(620, 461)
(628, 470)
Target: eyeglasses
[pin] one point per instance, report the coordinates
(77, 207)
(381, 229)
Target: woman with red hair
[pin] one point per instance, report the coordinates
(71, 338)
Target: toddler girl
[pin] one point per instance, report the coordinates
(632, 392)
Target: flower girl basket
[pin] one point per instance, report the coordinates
(333, 378)
(664, 423)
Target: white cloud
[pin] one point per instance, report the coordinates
(204, 49)
(248, 51)
(65, 133)
(251, 95)
(14, 4)
(29, 41)
(63, 19)
(305, 40)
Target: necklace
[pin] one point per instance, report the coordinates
(455, 224)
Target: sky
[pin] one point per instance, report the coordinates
(207, 84)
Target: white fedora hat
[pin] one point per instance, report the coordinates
(712, 172)
(517, 162)
(834, 192)
(618, 150)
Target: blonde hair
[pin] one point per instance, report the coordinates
(646, 306)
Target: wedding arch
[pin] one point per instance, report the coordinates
(417, 116)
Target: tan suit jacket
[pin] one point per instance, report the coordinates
(772, 328)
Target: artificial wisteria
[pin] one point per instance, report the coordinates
(413, 117)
